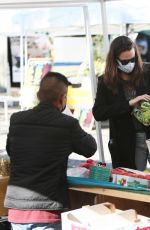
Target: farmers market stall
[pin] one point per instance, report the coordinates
(85, 192)
(93, 183)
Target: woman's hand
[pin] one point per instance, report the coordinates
(136, 102)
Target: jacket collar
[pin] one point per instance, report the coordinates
(46, 105)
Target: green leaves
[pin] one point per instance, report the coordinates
(145, 105)
(143, 114)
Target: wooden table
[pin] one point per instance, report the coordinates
(80, 196)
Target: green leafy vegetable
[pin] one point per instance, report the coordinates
(143, 113)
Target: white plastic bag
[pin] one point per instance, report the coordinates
(78, 172)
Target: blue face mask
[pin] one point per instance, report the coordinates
(127, 68)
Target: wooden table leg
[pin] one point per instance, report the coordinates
(79, 199)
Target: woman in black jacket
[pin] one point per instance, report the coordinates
(123, 86)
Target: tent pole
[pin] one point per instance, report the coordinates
(93, 78)
(15, 4)
(26, 53)
(21, 58)
(104, 26)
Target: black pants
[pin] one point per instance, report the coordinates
(5, 225)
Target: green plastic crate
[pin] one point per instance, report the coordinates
(99, 173)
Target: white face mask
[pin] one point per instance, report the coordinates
(128, 68)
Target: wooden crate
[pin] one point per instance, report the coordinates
(3, 187)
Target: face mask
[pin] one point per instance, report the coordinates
(128, 68)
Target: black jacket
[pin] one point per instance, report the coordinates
(115, 107)
(39, 143)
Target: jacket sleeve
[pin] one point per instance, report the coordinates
(82, 142)
(103, 109)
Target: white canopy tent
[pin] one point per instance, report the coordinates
(125, 16)
(15, 4)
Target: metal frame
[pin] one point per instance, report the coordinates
(93, 79)
(14, 4)
(104, 25)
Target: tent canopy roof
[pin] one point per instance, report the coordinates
(39, 3)
(21, 14)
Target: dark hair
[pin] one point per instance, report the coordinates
(52, 86)
(111, 74)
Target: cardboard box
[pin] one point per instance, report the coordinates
(96, 217)
(131, 178)
(130, 181)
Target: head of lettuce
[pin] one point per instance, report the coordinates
(142, 114)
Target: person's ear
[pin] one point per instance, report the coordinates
(59, 103)
(62, 102)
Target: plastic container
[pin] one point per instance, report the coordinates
(100, 173)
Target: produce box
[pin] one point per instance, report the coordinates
(103, 216)
(131, 178)
(100, 173)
